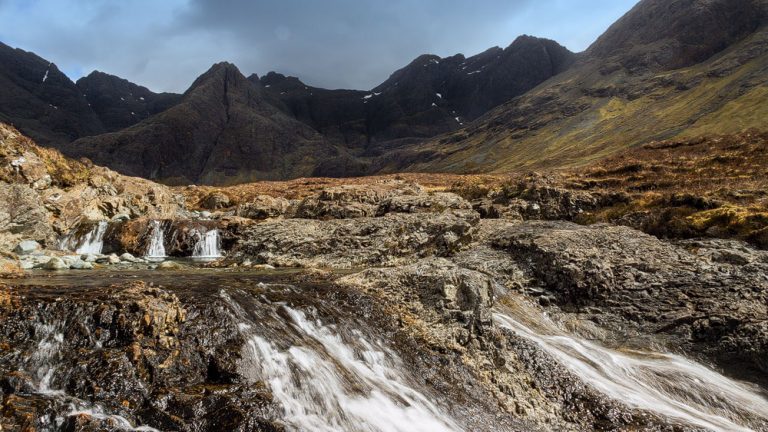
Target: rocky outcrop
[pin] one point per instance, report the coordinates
(350, 243)
(45, 195)
(138, 355)
(708, 298)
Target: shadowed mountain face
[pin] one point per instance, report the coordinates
(41, 101)
(223, 130)
(431, 95)
(120, 103)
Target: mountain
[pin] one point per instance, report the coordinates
(222, 130)
(667, 69)
(429, 96)
(283, 128)
(41, 101)
(120, 103)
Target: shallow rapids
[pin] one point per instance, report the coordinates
(334, 383)
(668, 385)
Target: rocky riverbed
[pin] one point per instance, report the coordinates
(372, 305)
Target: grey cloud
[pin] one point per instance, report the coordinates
(347, 43)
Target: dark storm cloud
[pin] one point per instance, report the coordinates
(346, 42)
(166, 44)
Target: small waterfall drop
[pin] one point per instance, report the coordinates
(156, 241)
(93, 241)
(666, 384)
(45, 362)
(208, 245)
(330, 383)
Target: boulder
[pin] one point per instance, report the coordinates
(81, 265)
(27, 247)
(129, 258)
(56, 263)
(215, 200)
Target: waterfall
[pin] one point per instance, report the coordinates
(207, 245)
(667, 384)
(330, 383)
(93, 241)
(156, 247)
(45, 362)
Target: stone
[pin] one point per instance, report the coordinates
(129, 258)
(121, 217)
(169, 265)
(215, 201)
(113, 259)
(81, 265)
(91, 258)
(56, 263)
(27, 247)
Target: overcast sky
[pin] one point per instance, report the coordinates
(166, 44)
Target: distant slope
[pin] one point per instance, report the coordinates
(120, 103)
(41, 101)
(223, 130)
(669, 68)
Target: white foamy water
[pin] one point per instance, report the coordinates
(208, 246)
(93, 241)
(44, 362)
(666, 384)
(329, 384)
(156, 241)
(115, 421)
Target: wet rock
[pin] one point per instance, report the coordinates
(27, 247)
(56, 263)
(711, 301)
(81, 265)
(121, 217)
(133, 351)
(129, 258)
(169, 265)
(449, 293)
(91, 258)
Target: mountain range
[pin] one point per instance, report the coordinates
(668, 68)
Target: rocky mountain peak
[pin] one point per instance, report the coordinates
(671, 34)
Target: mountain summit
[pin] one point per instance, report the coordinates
(221, 128)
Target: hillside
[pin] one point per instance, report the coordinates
(696, 68)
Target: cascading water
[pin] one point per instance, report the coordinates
(669, 385)
(330, 383)
(208, 245)
(93, 242)
(156, 242)
(43, 363)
